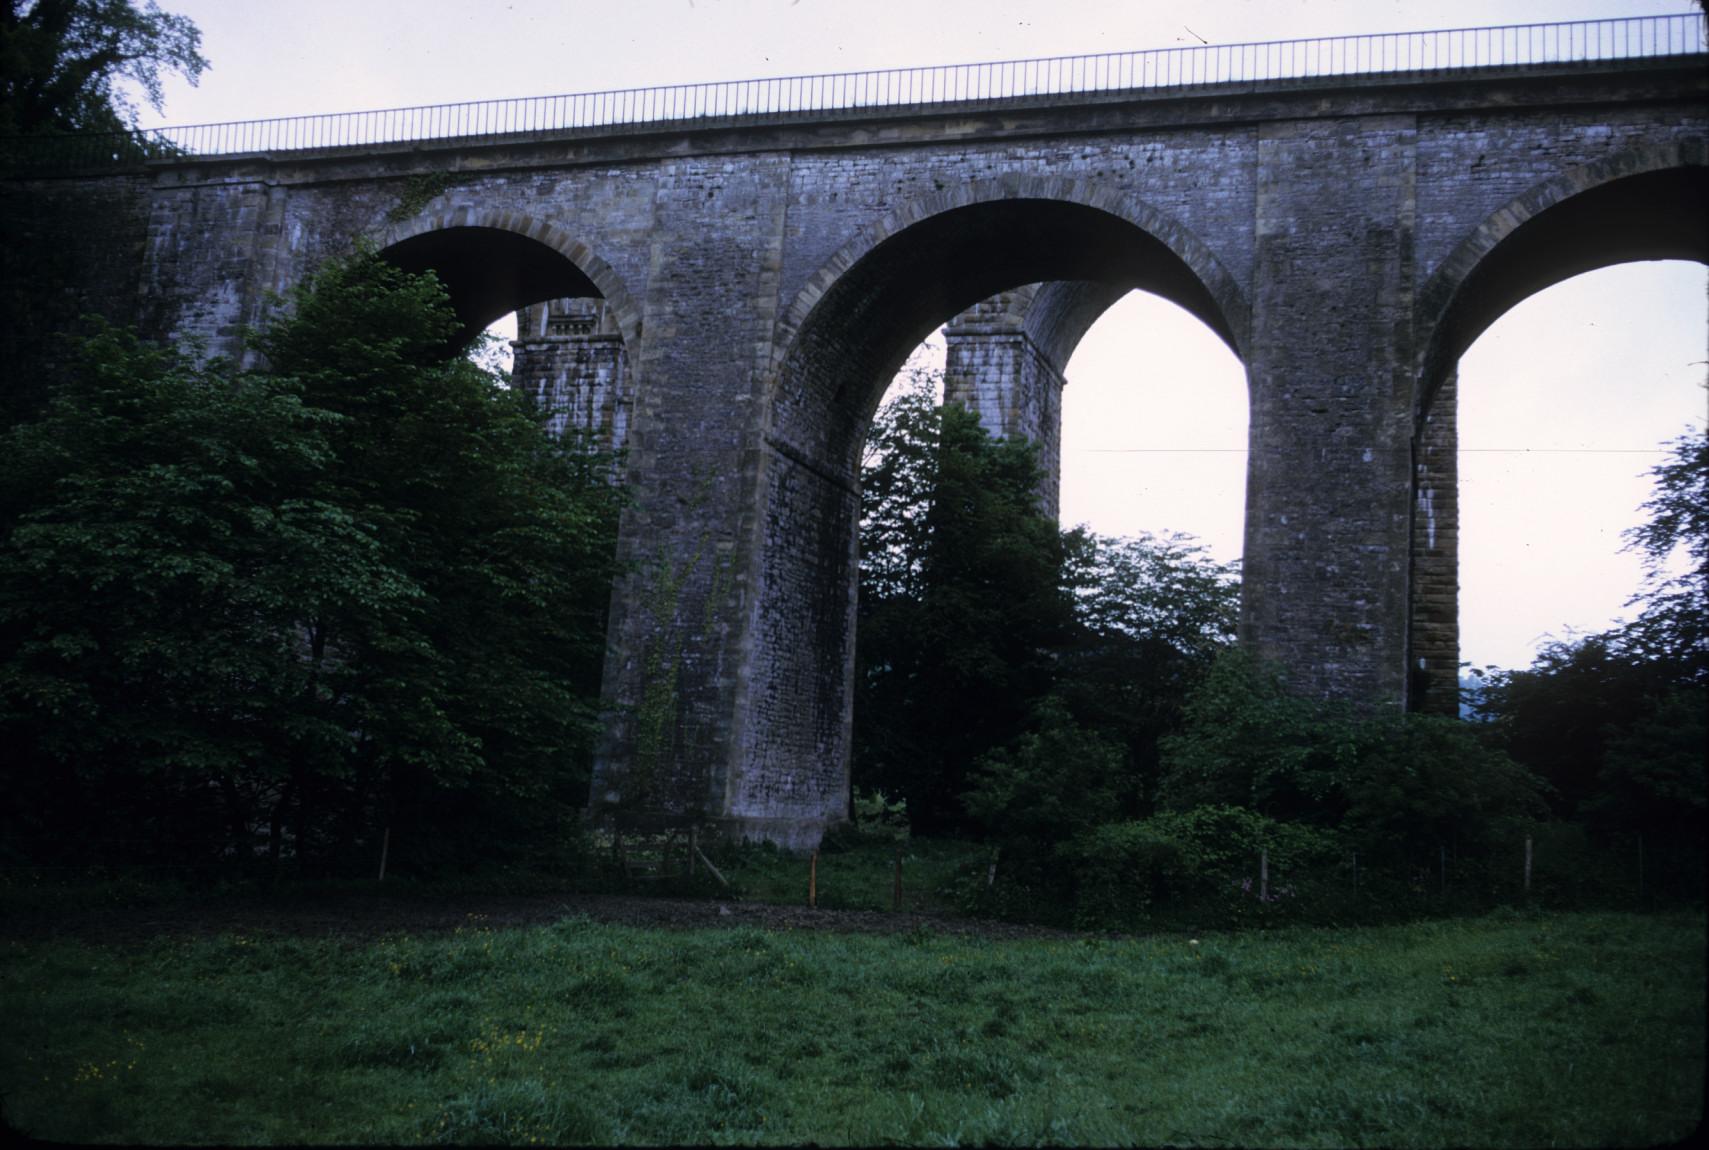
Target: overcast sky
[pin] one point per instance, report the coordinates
(1563, 401)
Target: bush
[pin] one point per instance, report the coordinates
(876, 816)
(1393, 784)
(1122, 871)
(1424, 780)
(1201, 865)
(1055, 781)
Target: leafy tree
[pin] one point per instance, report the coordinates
(961, 608)
(1249, 741)
(485, 697)
(358, 587)
(160, 536)
(64, 65)
(1652, 776)
(980, 620)
(1673, 627)
(1558, 715)
(899, 468)
(1165, 589)
(61, 61)
(1152, 612)
(1055, 781)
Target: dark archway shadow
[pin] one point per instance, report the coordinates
(862, 329)
(490, 272)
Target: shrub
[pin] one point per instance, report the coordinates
(876, 816)
(1055, 781)
(1202, 864)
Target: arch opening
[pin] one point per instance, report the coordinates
(490, 272)
(856, 327)
(563, 321)
(1654, 215)
(568, 325)
(872, 316)
(1155, 426)
(1554, 466)
(1568, 234)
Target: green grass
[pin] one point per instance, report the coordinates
(1514, 1030)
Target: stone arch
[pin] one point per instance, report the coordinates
(1162, 256)
(516, 233)
(1643, 204)
(1006, 360)
(1055, 315)
(1061, 313)
(839, 342)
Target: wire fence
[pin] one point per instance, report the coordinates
(789, 97)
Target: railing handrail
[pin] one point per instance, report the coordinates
(1184, 66)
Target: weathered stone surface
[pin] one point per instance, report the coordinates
(1435, 583)
(993, 368)
(570, 357)
(1347, 238)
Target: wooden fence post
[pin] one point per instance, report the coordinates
(813, 880)
(386, 846)
(711, 869)
(1264, 876)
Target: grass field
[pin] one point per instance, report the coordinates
(1510, 1030)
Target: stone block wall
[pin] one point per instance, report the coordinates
(570, 357)
(1329, 489)
(993, 368)
(1435, 585)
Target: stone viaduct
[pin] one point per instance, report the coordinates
(749, 284)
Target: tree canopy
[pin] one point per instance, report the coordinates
(985, 630)
(358, 587)
(63, 62)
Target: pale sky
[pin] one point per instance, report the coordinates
(1560, 399)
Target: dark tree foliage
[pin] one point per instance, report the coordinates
(988, 636)
(961, 610)
(1672, 626)
(1056, 780)
(1390, 784)
(61, 61)
(280, 610)
(64, 67)
(1152, 613)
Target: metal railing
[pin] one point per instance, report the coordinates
(1396, 53)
